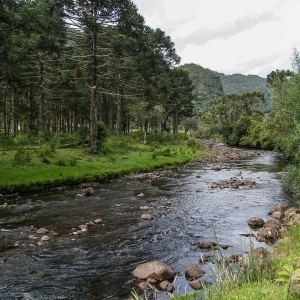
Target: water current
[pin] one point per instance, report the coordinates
(98, 263)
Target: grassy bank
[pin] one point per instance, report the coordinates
(278, 282)
(32, 168)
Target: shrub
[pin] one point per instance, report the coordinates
(22, 156)
(82, 133)
(166, 151)
(45, 160)
(25, 140)
(63, 139)
(73, 161)
(61, 162)
(102, 134)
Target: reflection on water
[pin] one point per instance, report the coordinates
(98, 263)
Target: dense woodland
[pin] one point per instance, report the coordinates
(66, 65)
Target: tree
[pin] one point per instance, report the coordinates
(94, 17)
(295, 60)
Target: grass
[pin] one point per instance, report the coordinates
(30, 169)
(269, 284)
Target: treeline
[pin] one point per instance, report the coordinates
(66, 65)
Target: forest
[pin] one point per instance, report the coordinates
(66, 65)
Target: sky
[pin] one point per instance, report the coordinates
(229, 36)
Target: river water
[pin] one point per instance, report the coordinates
(98, 263)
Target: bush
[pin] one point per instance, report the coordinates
(25, 140)
(61, 162)
(166, 151)
(22, 156)
(192, 144)
(82, 133)
(102, 134)
(61, 139)
(47, 150)
(45, 160)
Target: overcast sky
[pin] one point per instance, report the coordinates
(229, 36)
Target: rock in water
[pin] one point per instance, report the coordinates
(146, 217)
(193, 272)
(89, 191)
(256, 222)
(42, 231)
(154, 269)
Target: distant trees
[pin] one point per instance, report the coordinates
(230, 115)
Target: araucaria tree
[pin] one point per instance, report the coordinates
(68, 64)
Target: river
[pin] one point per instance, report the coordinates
(98, 264)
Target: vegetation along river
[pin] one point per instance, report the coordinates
(98, 263)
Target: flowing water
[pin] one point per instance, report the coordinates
(98, 263)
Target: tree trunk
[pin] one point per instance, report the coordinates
(119, 110)
(42, 95)
(94, 110)
(175, 122)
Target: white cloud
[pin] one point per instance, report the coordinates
(232, 36)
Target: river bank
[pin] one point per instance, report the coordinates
(71, 167)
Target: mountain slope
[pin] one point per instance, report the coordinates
(210, 85)
(207, 85)
(240, 84)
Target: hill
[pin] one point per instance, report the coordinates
(240, 84)
(207, 85)
(210, 84)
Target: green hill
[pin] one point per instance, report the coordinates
(207, 85)
(240, 84)
(210, 84)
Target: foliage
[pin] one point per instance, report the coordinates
(231, 116)
(102, 134)
(207, 85)
(287, 276)
(65, 65)
(22, 156)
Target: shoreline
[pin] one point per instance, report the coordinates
(214, 153)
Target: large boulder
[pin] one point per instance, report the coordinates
(282, 208)
(277, 215)
(273, 223)
(256, 222)
(154, 269)
(291, 211)
(269, 234)
(260, 252)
